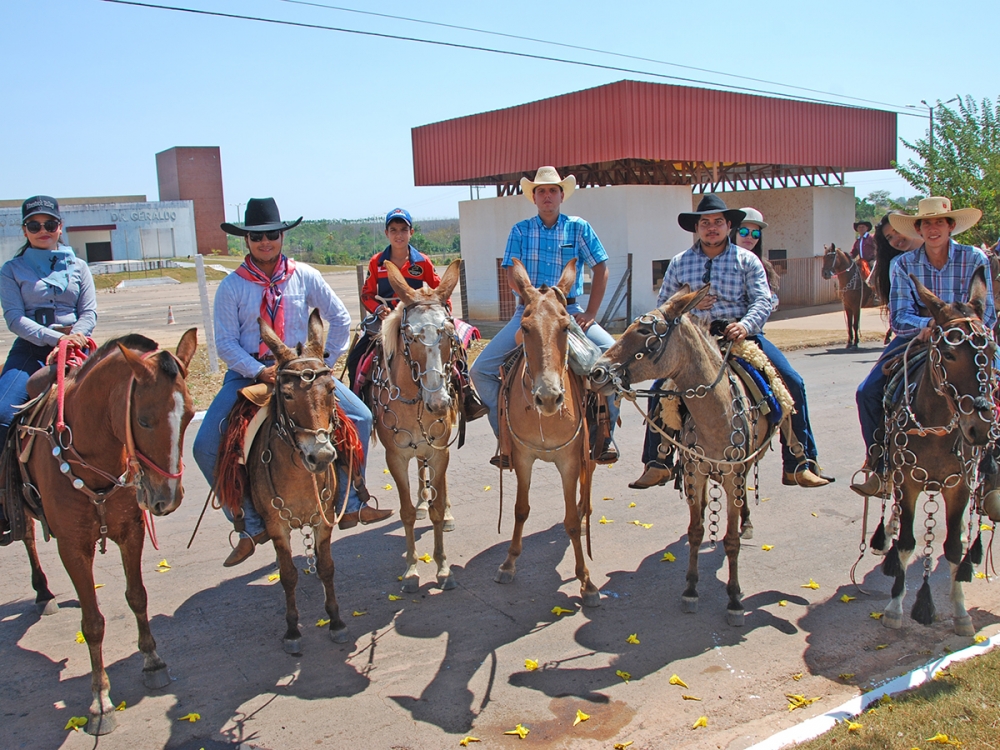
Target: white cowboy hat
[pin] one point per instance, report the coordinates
(753, 216)
(935, 208)
(547, 176)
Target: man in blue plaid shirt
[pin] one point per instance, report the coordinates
(740, 295)
(545, 243)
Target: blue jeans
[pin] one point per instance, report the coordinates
(871, 412)
(206, 443)
(23, 361)
(485, 370)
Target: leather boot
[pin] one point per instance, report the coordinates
(871, 486)
(472, 405)
(244, 548)
(365, 515)
(655, 475)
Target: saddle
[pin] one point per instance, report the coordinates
(16, 490)
(897, 377)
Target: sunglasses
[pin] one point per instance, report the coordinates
(259, 236)
(748, 232)
(34, 227)
(707, 278)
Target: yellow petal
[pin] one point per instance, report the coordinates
(464, 742)
(530, 664)
(980, 575)
(120, 706)
(425, 558)
(846, 676)
(985, 527)
(668, 557)
(979, 638)
(580, 716)
(607, 498)
(163, 564)
(943, 739)
(875, 615)
(646, 525)
(385, 471)
(624, 675)
(690, 698)
(274, 577)
(623, 745)
(815, 515)
(767, 547)
(394, 598)
(675, 680)
(605, 520)
(387, 486)
(98, 586)
(632, 639)
(356, 613)
(811, 585)
(558, 611)
(192, 717)
(852, 726)
(321, 623)
(520, 731)
(702, 722)
(797, 676)
(782, 602)
(76, 723)
(487, 488)
(881, 646)
(79, 637)
(845, 598)
(631, 505)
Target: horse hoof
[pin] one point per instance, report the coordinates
(591, 599)
(411, 585)
(421, 511)
(891, 620)
(340, 635)
(156, 679)
(504, 576)
(747, 533)
(689, 604)
(292, 645)
(447, 583)
(102, 724)
(448, 525)
(46, 608)
(963, 626)
(734, 617)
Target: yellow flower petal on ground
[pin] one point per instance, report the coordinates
(79, 637)
(394, 598)
(464, 742)
(811, 585)
(76, 723)
(690, 698)
(881, 646)
(559, 611)
(387, 486)
(580, 716)
(797, 676)
(520, 731)
(852, 726)
(623, 745)
(815, 515)
(120, 706)
(798, 701)
(425, 558)
(767, 547)
(605, 520)
(633, 639)
(624, 675)
(646, 525)
(274, 577)
(668, 557)
(631, 505)
(979, 638)
(943, 739)
(875, 615)
(702, 722)
(675, 680)
(530, 664)
(163, 564)
(782, 602)
(980, 575)
(356, 613)
(487, 488)
(322, 623)
(385, 471)
(98, 586)
(607, 498)
(985, 527)
(845, 598)
(192, 717)
(846, 676)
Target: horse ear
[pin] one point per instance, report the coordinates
(977, 291)
(683, 300)
(931, 301)
(187, 346)
(449, 281)
(276, 345)
(521, 281)
(317, 337)
(140, 368)
(568, 278)
(398, 283)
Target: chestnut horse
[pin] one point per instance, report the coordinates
(126, 410)
(936, 434)
(724, 436)
(542, 416)
(415, 408)
(855, 292)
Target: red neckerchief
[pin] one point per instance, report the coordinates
(272, 311)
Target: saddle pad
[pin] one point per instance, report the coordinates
(759, 388)
(365, 370)
(466, 332)
(253, 427)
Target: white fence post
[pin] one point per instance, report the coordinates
(206, 315)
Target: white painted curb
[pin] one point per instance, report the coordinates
(817, 725)
(199, 415)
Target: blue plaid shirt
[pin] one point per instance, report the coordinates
(738, 280)
(906, 313)
(545, 252)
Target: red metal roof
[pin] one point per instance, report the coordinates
(654, 122)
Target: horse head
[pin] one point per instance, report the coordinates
(642, 351)
(304, 402)
(159, 412)
(545, 330)
(835, 261)
(961, 357)
(421, 329)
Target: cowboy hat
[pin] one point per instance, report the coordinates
(261, 216)
(547, 176)
(710, 204)
(935, 208)
(753, 216)
(864, 222)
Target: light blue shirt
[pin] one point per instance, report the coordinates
(545, 251)
(237, 307)
(22, 292)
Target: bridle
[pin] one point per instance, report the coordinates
(429, 336)
(283, 423)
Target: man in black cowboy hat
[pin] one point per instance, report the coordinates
(740, 296)
(271, 286)
(864, 245)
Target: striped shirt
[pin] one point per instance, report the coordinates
(738, 281)
(545, 251)
(951, 283)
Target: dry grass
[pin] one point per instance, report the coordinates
(184, 275)
(963, 703)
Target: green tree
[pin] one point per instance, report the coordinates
(962, 163)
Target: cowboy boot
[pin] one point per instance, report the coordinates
(365, 514)
(245, 548)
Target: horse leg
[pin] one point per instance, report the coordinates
(325, 569)
(292, 640)
(423, 502)
(522, 469)
(746, 527)
(956, 500)
(892, 616)
(731, 543)
(45, 600)
(694, 491)
(571, 473)
(154, 670)
(439, 511)
(399, 465)
(78, 559)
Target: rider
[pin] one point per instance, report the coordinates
(739, 295)
(864, 246)
(945, 268)
(545, 244)
(273, 287)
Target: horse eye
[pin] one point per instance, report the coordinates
(144, 423)
(948, 356)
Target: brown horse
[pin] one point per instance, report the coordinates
(935, 438)
(724, 436)
(293, 482)
(415, 408)
(542, 417)
(855, 292)
(127, 407)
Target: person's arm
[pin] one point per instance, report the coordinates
(598, 284)
(86, 303)
(759, 309)
(990, 313)
(334, 312)
(14, 313)
(226, 314)
(513, 250)
(904, 311)
(370, 288)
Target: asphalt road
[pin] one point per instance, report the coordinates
(427, 669)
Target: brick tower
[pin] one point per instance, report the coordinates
(194, 173)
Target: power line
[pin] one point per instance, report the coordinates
(509, 53)
(590, 49)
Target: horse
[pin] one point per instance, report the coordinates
(542, 416)
(292, 479)
(414, 406)
(935, 437)
(722, 438)
(126, 407)
(855, 291)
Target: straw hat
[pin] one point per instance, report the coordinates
(753, 216)
(935, 208)
(547, 176)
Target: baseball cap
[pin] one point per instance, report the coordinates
(399, 213)
(40, 204)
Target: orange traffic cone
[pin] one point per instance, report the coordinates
(170, 315)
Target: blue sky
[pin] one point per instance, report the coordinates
(321, 120)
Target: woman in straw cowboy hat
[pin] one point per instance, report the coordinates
(942, 265)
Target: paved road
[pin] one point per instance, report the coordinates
(424, 671)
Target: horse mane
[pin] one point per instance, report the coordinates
(390, 331)
(134, 341)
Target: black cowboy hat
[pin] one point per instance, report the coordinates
(261, 216)
(865, 222)
(710, 204)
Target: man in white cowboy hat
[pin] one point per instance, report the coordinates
(271, 286)
(545, 243)
(943, 266)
